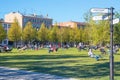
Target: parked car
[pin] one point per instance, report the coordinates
(5, 48)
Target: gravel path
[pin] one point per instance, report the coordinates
(16, 74)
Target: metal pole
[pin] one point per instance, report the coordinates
(111, 45)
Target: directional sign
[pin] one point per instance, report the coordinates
(99, 10)
(97, 18)
(100, 17)
(105, 17)
(115, 21)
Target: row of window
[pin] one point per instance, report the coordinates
(38, 20)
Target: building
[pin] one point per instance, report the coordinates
(72, 24)
(36, 20)
(6, 26)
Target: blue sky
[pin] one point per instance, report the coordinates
(58, 10)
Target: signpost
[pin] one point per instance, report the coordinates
(108, 11)
(111, 45)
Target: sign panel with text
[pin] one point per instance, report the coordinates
(97, 18)
(99, 10)
(115, 21)
(100, 17)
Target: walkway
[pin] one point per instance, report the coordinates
(15, 74)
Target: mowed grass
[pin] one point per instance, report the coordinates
(66, 62)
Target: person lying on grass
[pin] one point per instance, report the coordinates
(23, 48)
(91, 54)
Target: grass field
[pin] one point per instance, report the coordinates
(66, 62)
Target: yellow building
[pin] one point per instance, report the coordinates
(72, 24)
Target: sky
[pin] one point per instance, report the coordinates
(58, 10)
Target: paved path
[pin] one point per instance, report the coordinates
(15, 74)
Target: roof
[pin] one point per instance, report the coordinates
(31, 15)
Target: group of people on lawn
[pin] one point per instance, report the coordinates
(102, 50)
(54, 48)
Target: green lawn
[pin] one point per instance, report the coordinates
(66, 62)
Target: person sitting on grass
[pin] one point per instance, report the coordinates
(91, 54)
(51, 49)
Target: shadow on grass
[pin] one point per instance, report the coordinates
(24, 57)
(59, 65)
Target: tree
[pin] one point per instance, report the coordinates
(81, 35)
(64, 34)
(71, 33)
(74, 34)
(54, 34)
(117, 29)
(117, 14)
(77, 35)
(117, 33)
(29, 33)
(43, 33)
(86, 34)
(88, 16)
(14, 32)
(103, 32)
(2, 33)
(98, 30)
(91, 31)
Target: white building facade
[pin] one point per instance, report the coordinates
(36, 20)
